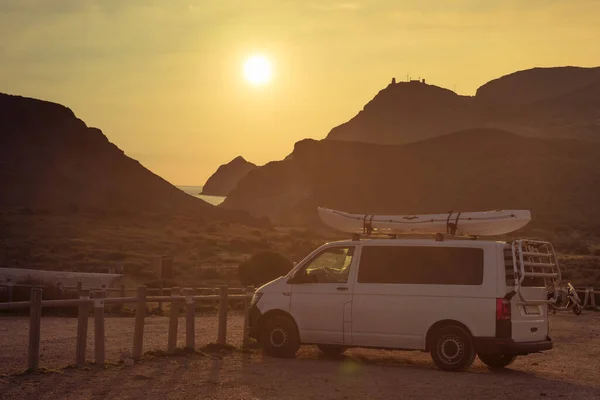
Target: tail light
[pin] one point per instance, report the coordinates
(502, 309)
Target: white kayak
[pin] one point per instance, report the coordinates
(479, 223)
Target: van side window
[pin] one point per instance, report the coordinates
(330, 266)
(421, 265)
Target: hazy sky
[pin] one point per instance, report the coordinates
(163, 79)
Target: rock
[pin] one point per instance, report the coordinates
(125, 355)
(129, 362)
(227, 176)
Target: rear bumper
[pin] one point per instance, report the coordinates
(487, 345)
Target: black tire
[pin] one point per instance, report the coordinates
(497, 361)
(279, 337)
(577, 309)
(452, 348)
(331, 350)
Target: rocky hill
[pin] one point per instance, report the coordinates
(51, 161)
(536, 84)
(227, 176)
(407, 112)
(541, 102)
(71, 200)
(477, 169)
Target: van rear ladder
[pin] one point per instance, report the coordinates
(534, 259)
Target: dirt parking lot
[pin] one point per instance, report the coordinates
(571, 370)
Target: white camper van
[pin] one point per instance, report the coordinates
(453, 298)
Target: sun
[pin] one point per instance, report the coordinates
(258, 70)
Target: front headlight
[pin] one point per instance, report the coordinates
(255, 298)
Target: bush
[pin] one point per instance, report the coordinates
(263, 268)
(247, 246)
(577, 248)
(210, 273)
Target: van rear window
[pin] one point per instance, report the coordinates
(421, 265)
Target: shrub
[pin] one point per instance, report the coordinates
(210, 273)
(263, 268)
(577, 248)
(247, 246)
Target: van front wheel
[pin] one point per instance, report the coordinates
(496, 361)
(280, 337)
(452, 349)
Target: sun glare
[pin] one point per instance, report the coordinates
(258, 70)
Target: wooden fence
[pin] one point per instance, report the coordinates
(589, 297)
(99, 300)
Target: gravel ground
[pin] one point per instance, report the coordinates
(571, 370)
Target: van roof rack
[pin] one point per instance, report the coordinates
(439, 237)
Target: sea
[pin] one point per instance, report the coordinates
(196, 190)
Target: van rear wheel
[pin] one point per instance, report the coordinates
(279, 337)
(497, 361)
(331, 350)
(452, 348)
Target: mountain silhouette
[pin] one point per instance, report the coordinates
(532, 85)
(51, 161)
(477, 169)
(540, 102)
(227, 176)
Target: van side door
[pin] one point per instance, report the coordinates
(401, 291)
(322, 296)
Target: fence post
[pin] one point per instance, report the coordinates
(35, 315)
(82, 329)
(190, 327)
(586, 299)
(99, 327)
(78, 288)
(138, 329)
(120, 306)
(593, 298)
(222, 334)
(173, 322)
(246, 338)
(9, 286)
(161, 293)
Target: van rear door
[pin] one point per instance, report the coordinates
(529, 321)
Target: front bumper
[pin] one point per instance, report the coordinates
(253, 320)
(492, 345)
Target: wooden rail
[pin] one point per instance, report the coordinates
(589, 298)
(99, 301)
